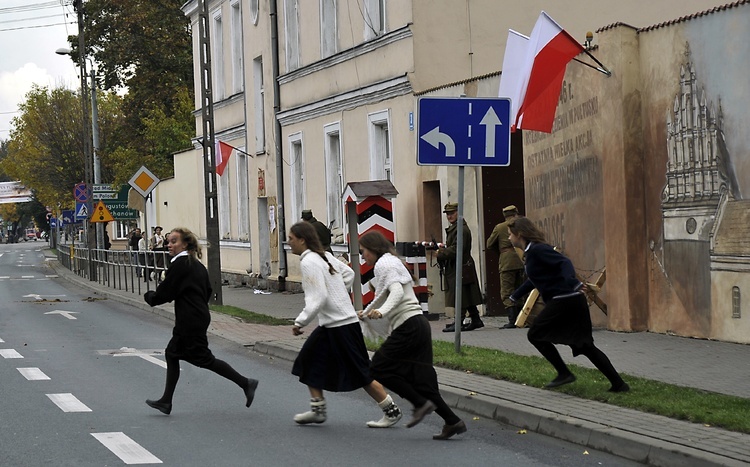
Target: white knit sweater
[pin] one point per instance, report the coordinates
(326, 294)
(394, 291)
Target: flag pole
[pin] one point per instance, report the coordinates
(603, 68)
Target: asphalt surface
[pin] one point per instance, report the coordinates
(713, 366)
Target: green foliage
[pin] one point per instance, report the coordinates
(249, 316)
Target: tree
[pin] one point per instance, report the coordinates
(145, 47)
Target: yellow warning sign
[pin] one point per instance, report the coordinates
(101, 213)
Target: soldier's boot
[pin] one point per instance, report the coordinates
(512, 316)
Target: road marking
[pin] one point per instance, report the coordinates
(68, 402)
(2, 341)
(33, 374)
(67, 314)
(10, 353)
(126, 449)
(38, 297)
(147, 355)
(51, 275)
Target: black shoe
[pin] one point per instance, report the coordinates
(561, 381)
(450, 328)
(252, 384)
(420, 413)
(621, 388)
(450, 430)
(509, 325)
(163, 407)
(473, 325)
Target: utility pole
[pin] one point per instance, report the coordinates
(209, 155)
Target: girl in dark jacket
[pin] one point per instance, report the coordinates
(187, 284)
(565, 318)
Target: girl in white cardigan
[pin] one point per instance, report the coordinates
(334, 356)
(404, 361)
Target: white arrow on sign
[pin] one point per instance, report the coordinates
(434, 137)
(67, 314)
(490, 121)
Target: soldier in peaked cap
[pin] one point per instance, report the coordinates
(509, 265)
(471, 295)
(323, 232)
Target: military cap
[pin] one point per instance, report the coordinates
(307, 214)
(450, 207)
(510, 208)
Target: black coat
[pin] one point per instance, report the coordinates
(187, 284)
(471, 294)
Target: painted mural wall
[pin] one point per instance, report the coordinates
(646, 173)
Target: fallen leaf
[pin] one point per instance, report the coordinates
(475, 418)
(521, 432)
(585, 453)
(472, 393)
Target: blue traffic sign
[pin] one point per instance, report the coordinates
(68, 217)
(81, 193)
(82, 211)
(463, 131)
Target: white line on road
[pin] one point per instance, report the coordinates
(68, 402)
(10, 353)
(33, 374)
(67, 314)
(2, 341)
(147, 355)
(126, 449)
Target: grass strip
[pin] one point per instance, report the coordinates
(250, 316)
(678, 402)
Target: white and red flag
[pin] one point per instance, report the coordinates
(534, 81)
(223, 151)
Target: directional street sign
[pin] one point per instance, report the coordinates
(463, 131)
(104, 191)
(68, 217)
(118, 206)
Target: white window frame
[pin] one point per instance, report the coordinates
(254, 12)
(217, 56)
(259, 106)
(374, 18)
(291, 34)
(236, 38)
(224, 205)
(328, 28)
(334, 167)
(297, 175)
(381, 154)
(243, 195)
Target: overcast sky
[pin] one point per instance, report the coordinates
(30, 32)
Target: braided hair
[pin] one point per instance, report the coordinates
(306, 232)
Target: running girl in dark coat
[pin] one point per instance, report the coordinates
(187, 284)
(565, 318)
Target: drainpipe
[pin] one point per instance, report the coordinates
(280, 212)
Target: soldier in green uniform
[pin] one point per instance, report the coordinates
(323, 232)
(510, 265)
(471, 295)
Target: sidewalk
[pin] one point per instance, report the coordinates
(713, 366)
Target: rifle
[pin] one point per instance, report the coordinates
(434, 246)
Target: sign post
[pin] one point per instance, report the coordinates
(463, 131)
(143, 181)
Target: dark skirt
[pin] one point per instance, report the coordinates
(407, 353)
(564, 321)
(192, 349)
(334, 359)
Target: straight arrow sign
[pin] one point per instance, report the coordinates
(67, 314)
(490, 121)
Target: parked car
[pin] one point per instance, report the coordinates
(30, 235)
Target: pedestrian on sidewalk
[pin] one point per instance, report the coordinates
(403, 362)
(565, 318)
(334, 356)
(471, 294)
(187, 284)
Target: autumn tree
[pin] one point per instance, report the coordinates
(145, 48)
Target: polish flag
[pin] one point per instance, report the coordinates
(548, 51)
(510, 80)
(223, 151)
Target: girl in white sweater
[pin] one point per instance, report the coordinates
(334, 356)
(404, 361)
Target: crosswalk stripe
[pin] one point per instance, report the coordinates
(33, 374)
(68, 402)
(126, 449)
(10, 353)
